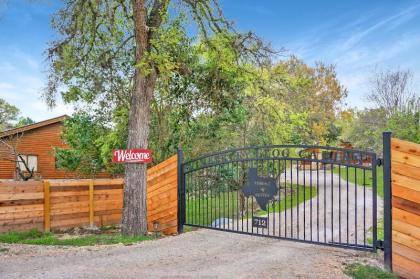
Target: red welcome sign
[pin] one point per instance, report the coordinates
(132, 156)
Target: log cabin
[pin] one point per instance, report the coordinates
(35, 144)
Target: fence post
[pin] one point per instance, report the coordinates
(181, 192)
(47, 207)
(387, 200)
(91, 208)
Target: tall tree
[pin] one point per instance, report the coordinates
(8, 113)
(391, 91)
(113, 53)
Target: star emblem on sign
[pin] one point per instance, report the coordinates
(263, 189)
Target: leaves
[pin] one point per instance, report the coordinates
(8, 113)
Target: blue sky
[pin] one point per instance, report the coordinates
(359, 37)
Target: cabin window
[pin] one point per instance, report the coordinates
(30, 160)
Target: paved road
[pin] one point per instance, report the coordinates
(203, 253)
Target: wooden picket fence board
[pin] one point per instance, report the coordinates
(65, 203)
(405, 173)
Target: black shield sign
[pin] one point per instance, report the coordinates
(263, 189)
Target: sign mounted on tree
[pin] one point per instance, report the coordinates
(132, 156)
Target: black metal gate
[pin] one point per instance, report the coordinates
(314, 194)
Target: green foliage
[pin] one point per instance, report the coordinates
(361, 271)
(8, 113)
(364, 129)
(35, 237)
(209, 95)
(23, 121)
(396, 109)
(405, 126)
(81, 134)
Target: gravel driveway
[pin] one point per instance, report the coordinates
(341, 212)
(202, 253)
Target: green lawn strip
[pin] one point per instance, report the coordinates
(299, 196)
(205, 210)
(380, 231)
(361, 271)
(36, 237)
(358, 173)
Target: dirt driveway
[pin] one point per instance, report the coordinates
(202, 253)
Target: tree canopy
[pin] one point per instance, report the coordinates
(8, 114)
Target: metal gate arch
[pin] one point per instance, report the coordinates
(315, 194)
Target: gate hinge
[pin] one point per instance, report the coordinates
(380, 244)
(379, 162)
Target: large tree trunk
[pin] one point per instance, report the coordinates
(134, 221)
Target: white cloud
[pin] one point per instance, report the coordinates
(21, 82)
(388, 42)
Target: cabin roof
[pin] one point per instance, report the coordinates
(34, 126)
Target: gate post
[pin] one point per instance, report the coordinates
(181, 191)
(387, 200)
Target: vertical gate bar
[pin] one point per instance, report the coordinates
(208, 197)
(355, 205)
(374, 205)
(220, 196)
(196, 216)
(291, 198)
(232, 188)
(193, 199)
(339, 203)
(242, 197)
(310, 191)
(364, 207)
(274, 203)
(237, 195)
(347, 207)
(317, 200)
(279, 202)
(304, 201)
(228, 198)
(278, 192)
(285, 197)
(224, 197)
(332, 202)
(190, 201)
(211, 201)
(297, 197)
(215, 194)
(387, 200)
(247, 206)
(267, 165)
(325, 203)
(200, 198)
(181, 192)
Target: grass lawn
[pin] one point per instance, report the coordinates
(36, 237)
(205, 210)
(361, 271)
(368, 180)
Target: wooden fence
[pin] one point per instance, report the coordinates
(60, 204)
(405, 176)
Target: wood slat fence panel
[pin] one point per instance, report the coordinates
(405, 173)
(59, 204)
